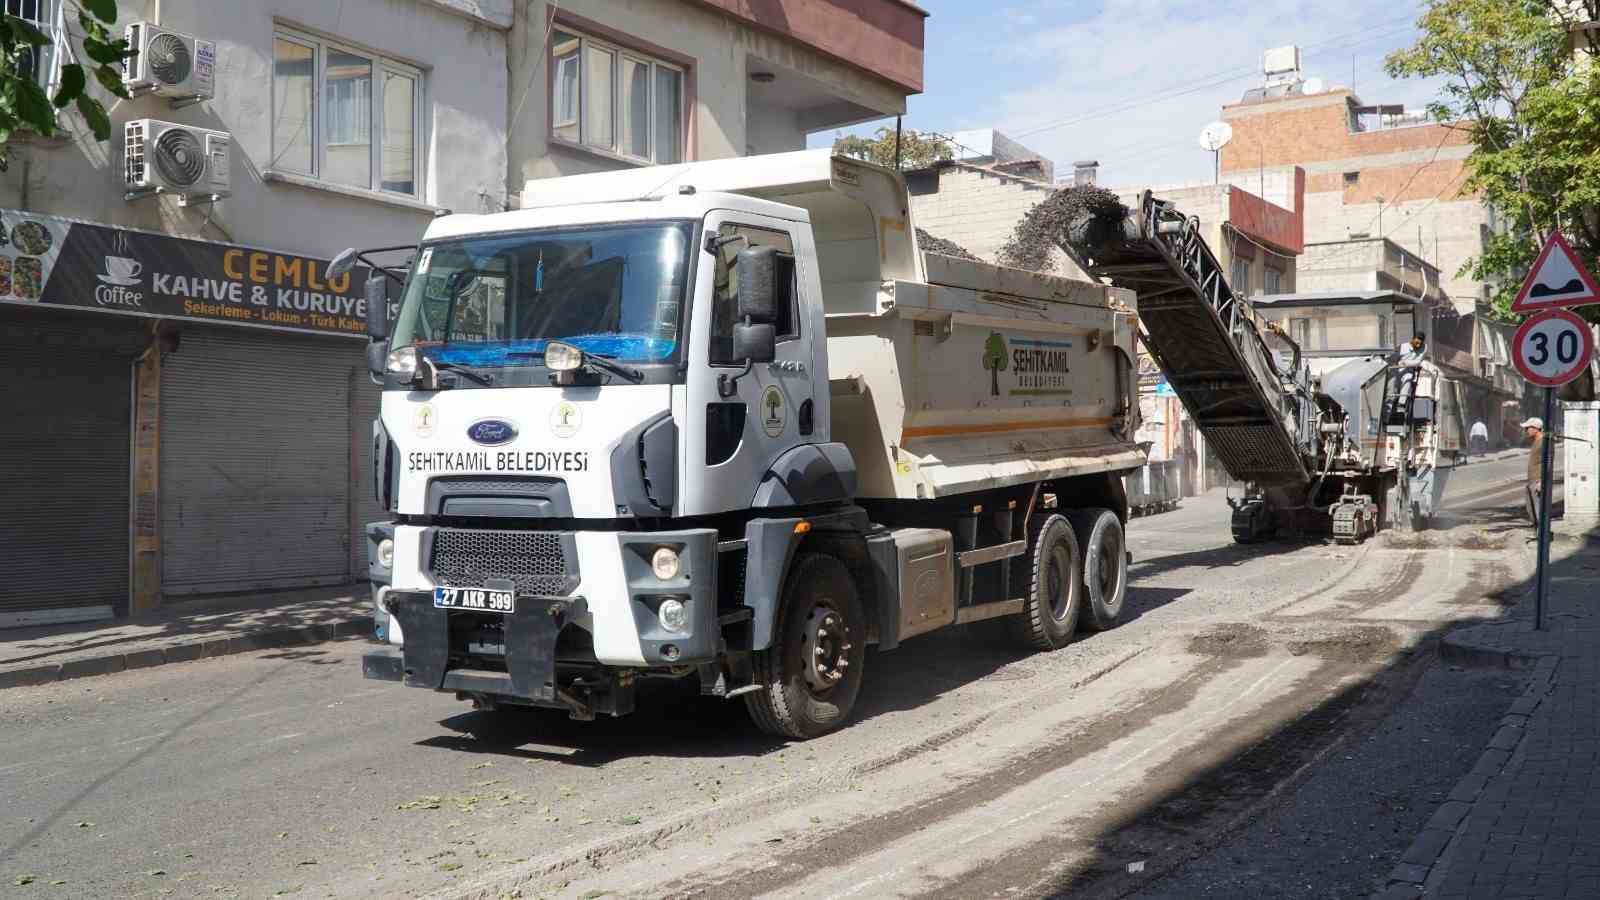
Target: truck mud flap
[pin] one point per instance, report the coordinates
(530, 641)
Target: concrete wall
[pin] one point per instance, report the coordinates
(977, 209)
(1369, 264)
(1418, 170)
(1213, 204)
(773, 129)
(460, 52)
(980, 208)
(720, 50)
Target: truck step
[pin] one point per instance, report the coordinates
(969, 558)
(979, 612)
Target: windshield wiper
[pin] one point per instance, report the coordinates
(463, 371)
(600, 361)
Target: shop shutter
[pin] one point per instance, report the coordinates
(64, 470)
(256, 461)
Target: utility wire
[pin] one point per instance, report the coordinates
(1211, 80)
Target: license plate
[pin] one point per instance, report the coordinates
(479, 599)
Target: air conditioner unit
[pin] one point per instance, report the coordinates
(165, 157)
(169, 64)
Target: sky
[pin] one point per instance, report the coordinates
(1131, 83)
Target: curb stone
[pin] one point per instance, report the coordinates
(200, 648)
(1421, 860)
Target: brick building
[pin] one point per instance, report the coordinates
(1371, 172)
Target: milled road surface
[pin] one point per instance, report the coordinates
(1248, 692)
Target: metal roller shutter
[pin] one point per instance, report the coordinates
(64, 458)
(255, 462)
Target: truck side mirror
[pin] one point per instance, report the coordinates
(377, 292)
(756, 343)
(758, 285)
(377, 357)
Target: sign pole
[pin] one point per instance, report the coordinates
(1547, 463)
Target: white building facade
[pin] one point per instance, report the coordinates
(189, 401)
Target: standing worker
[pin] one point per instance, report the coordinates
(1534, 428)
(1478, 440)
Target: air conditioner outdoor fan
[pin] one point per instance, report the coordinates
(170, 61)
(179, 157)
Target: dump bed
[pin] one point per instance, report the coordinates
(950, 375)
(983, 377)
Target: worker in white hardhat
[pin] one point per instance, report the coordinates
(1534, 429)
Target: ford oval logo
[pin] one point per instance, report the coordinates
(492, 432)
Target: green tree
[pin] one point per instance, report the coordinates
(773, 403)
(994, 359)
(917, 151)
(1533, 112)
(24, 105)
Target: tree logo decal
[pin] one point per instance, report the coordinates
(994, 359)
(774, 412)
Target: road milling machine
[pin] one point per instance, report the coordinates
(1364, 446)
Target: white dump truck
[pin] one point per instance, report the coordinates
(724, 421)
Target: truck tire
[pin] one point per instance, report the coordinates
(1105, 566)
(812, 672)
(1052, 573)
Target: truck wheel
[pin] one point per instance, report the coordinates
(812, 672)
(1105, 565)
(1053, 574)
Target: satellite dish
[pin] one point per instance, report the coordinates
(1215, 136)
(1312, 86)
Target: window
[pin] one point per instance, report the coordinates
(1352, 178)
(725, 302)
(498, 299)
(1300, 331)
(40, 63)
(614, 99)
(345, 116)
(1240, 279)
(1273, 281)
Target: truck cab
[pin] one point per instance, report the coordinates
(659, 423)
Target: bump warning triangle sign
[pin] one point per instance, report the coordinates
(1557, 279)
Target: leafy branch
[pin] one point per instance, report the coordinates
(24, 104)
(1510, 78)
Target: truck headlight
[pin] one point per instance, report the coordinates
(665, 563)
(560, 357)
(402, 362)
(673, 615)
(386, 553)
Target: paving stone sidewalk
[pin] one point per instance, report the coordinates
(1526, 822)
(182, 632)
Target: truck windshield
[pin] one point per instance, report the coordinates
(497, 300)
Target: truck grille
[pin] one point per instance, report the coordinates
(537, 562)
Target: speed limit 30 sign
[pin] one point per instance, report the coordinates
(1552, 348)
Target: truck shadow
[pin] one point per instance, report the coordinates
(673, 719)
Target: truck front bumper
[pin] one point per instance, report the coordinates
(616, 598)
(531, 632)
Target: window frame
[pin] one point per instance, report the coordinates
(731, 227)
(620, 47)
(380, 65)
(1271, 280)
(48, 59)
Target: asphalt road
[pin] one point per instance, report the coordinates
(1240, 681)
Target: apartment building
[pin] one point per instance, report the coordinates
(189, 405)
(1372, 171)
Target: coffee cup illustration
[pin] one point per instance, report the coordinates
(122, 270)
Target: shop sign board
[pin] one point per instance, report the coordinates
(52, 261)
